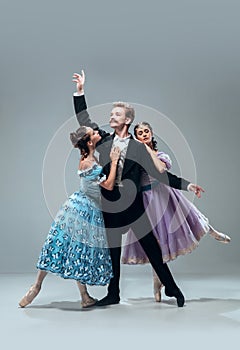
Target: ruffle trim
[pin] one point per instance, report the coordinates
(167, 257)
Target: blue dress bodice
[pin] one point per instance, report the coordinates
(89, 182)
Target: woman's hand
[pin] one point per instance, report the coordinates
(109, 183)
(115, 154)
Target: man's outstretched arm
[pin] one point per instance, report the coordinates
(80, 105)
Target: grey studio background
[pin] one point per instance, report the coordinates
(178, 57)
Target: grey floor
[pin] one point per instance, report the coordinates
(210, 318)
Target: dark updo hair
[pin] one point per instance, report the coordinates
(153, 141)
(80, 139)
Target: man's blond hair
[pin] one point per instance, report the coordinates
(129, 110)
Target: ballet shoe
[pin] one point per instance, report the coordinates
(29, 296)
(157, 286)
(221, 237)
(158, 296)
(88, 303)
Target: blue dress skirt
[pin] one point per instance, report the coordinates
(76, 246)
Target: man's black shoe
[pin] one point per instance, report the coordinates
(108, 300)
(178, 295)
(180, 299)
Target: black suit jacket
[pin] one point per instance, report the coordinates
(137, 157)
(123, 205)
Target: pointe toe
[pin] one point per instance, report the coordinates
(158, 296)
(221, 237)
(157, 292)
(88, 303)
(29, 296)
(227, 239)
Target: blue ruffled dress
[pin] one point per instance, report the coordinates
(76, 246)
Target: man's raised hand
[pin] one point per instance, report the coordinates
(79, 79)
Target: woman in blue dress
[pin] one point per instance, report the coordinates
(76, 246)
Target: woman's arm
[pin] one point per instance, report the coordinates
(161, 166)
(166, 177)
(109, 183)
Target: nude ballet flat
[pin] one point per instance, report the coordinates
(157, 290)
(88, 303)
(29, 296)
(221, 237)
(158, 296)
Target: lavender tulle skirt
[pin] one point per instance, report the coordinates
(177, 224)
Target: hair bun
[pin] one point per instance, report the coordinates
(76, 136)
(73, 138)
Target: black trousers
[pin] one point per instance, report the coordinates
(134, 217)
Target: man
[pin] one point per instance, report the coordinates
(123, 206)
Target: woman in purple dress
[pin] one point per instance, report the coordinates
(177, 224)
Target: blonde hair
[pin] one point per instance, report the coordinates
(129, 110)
